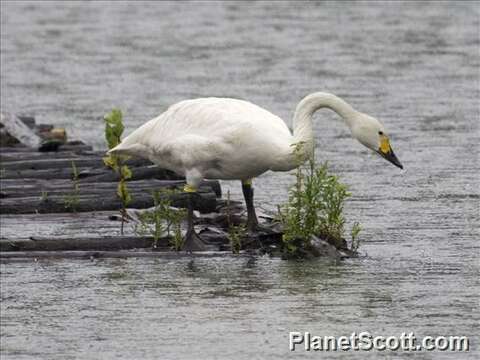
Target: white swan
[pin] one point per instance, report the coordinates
(222, 138)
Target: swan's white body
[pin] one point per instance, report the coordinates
(224, 138)
(216, 137)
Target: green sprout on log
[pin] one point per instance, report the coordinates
(235, 235)
(163, 220)
(235, 232)
(355, 243)
(113, 132)
(44, 196)
(72, 200)
(314, 208)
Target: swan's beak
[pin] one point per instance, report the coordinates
(390, 156)
(385, 151)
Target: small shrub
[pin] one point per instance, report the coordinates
(177, 240)
(314, 208)
(113, 132)
(163, 220)
(355, 243)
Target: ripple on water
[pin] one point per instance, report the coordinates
(415, 66)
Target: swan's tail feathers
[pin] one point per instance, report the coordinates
(124, 148)
(137, 143)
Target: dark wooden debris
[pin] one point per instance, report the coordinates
(100, 201)
(92, 255)
(68, 146)
(12, 188)
(14, 131)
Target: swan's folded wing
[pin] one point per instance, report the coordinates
(189, 151)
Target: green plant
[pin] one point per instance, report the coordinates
(355, 244)
(163, 219)
(235, 235)
(235, 232)
(72, 200)
(314, 207)
(44, 196)
(177, 240)
(113, 132)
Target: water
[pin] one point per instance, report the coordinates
(413, 65)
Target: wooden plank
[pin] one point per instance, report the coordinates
(5, 256)
(98, 243)
(52, 163)
(9, 156)
(70, 146)
(60, 173)
(105, 243)
(35, 187)
(89, 174)
(203, 201)
(14, 188)
(138, 173)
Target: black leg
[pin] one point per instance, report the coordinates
(193, 242)
(252, 221)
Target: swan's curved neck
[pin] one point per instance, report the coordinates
(302, 120)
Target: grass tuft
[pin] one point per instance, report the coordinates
(163, 220)
(315, 208)
(72, 200)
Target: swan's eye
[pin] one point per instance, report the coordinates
(380, 133)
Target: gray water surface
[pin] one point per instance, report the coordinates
(413, 65)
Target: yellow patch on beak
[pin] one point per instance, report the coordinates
(385, 144)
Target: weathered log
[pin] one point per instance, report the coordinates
(202, 201)
(99, 243)
(28, 120)
(17, 148)
(17, 129)
(8, 255)
(6, 139)
(12, 188)
(48, 163)
(9, 156)
(69, 146)
(88, 174)
(142, 173)
(35, 187)
(42, 164)
(105, 243)
(60, 173)
(65, 187)
(138, 173)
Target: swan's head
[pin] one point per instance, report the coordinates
(371, 133)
